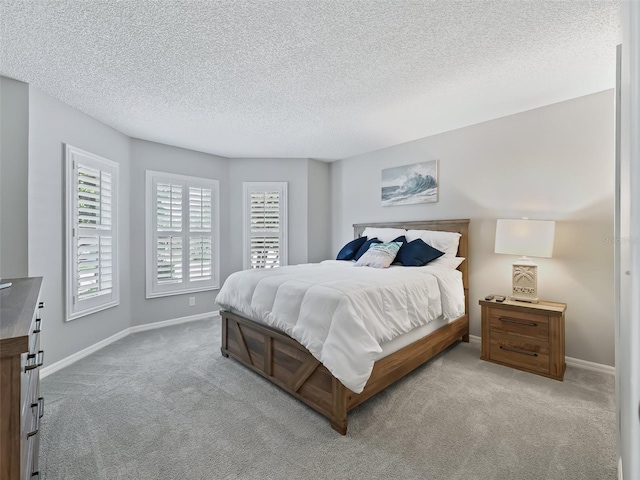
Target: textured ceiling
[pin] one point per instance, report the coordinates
(320, 79)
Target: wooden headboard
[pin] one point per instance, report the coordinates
(460, 226)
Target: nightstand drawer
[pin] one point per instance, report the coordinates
(520, 357)
(519, 324)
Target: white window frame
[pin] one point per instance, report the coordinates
(153, 289)
(247, 188)
(74, 308)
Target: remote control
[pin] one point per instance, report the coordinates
(500, 299)
(488, 297)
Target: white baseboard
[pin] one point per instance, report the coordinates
(474, 339)
(65, 362)
(594, 367)
(574, 362)
(54, 367)
(172, 321)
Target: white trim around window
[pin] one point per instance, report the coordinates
(182, 234)
(92, 273)
(265, 232)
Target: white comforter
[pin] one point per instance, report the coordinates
(341, 313)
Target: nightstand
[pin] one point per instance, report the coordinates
(526, 336)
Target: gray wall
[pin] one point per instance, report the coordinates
(155, 156)
(555, 162)
(14, 153)
(308, 194)
(51, 124)
(319, 211)
(293, 171)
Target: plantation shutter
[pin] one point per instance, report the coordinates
(181, 228)
(168, 242)
(265, 224)
(92, 233)
(200, 234)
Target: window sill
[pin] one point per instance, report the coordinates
(89, 311)
(182, 291)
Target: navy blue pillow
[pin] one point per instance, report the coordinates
(402, 239)
(350, 249)
(417, 254)
(365, 246)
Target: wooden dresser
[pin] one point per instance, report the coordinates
(526, 336)
(21, 406)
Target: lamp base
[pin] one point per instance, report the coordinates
(515, 298)
(525, 281)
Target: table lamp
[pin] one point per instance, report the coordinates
(526, 238)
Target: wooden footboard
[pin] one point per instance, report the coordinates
(285, 362)
(289, 365)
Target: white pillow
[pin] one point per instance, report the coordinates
(379, 255)
(383, 234)
(447, 262)
(446, 242)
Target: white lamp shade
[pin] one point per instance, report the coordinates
(532, 238)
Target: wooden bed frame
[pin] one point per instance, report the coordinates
(286, 363)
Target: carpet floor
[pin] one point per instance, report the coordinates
(164, 404)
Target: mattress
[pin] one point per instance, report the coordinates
(399, 342)
(346, 316)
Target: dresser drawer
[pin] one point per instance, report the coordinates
(519, 324)
(35, 463)
(30, 436)
(512, 354)
(34, 338)
(28, 391)
(32, 457)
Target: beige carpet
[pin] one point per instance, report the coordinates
(164, 404)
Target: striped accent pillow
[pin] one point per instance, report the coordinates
(379, 255)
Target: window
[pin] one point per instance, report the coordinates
(182, 234)
(92, 233)
(265, 224)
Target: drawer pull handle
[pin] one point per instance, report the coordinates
(38, 325)
(38, 362)
(516, 350)
(33, 365)
(40, 304)
(40, 405)
(518, 322)
(36, 474)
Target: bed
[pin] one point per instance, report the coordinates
(284, 361)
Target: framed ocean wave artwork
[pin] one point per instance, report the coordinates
(409, 184)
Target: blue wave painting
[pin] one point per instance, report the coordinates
(416, 183)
